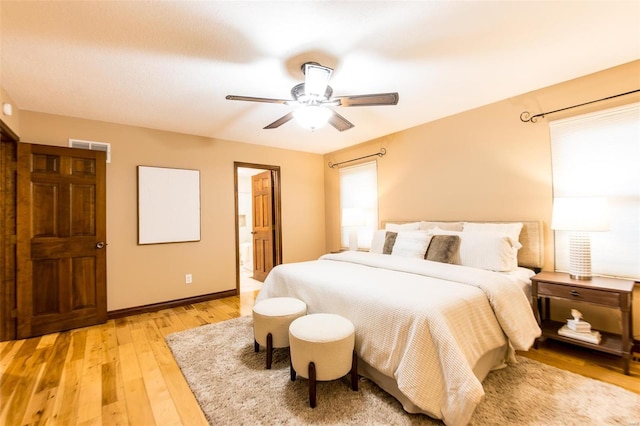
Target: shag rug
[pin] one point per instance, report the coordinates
(232, 386)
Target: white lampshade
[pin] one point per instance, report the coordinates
(312, 116)
(585, 214)
(580, 216)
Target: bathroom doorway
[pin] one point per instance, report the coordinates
(258, 231)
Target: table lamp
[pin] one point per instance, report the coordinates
(353, 218)
(580, 216)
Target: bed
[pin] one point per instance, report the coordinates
(427, 332)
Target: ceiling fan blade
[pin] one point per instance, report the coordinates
(280, 121)
(339, 122)
(316, 79)
(253, 99)
(369, 100)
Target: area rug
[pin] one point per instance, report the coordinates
(232, 386)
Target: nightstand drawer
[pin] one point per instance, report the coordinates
(608, 298)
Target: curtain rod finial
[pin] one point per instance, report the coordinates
(526, 117)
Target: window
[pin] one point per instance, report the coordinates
(598, 155)
(359, 202)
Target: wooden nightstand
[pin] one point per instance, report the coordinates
(609, 292)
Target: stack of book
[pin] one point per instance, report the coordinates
(580, 330)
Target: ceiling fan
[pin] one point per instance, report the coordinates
(314, 97)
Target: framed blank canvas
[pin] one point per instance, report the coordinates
(168, 205)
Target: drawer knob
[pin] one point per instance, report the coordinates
(575, 293)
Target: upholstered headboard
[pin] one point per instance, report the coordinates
(531, 255)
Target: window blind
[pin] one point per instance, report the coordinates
(598, 154)
(359, 202)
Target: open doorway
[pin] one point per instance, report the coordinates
(258, 230)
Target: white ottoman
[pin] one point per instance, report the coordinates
(322, 348)
(271, 320)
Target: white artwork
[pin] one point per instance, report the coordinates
(168, 205)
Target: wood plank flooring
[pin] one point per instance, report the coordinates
(122, 372)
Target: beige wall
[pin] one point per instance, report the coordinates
(140, 275)
(482, 164)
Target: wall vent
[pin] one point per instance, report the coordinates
(91, 145)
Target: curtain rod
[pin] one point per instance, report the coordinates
(379, 154)
(527, 117)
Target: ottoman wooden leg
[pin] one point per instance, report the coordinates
(256, 346)
(354, 371)
(293, 372)
(269, 350)
(312, 385)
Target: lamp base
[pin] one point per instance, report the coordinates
(580, 277)
(580, 256)
(353, 239)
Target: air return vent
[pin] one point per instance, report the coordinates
(91, 145)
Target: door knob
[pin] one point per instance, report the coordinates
(100, 245)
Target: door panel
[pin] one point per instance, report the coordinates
(61, 220)
(263, 227)
(45, 218)
(83, 221)
(46, 299)
(84, 286)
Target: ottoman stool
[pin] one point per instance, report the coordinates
(322, 348)
(271, 320)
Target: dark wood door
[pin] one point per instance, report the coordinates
(61, 234)
(8, 197)
(263, 226)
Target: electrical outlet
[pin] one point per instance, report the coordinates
(188, 279)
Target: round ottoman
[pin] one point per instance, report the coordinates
(322, 348)
(271, 320)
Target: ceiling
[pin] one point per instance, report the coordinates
(169, 65)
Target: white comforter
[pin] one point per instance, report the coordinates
(425, 324)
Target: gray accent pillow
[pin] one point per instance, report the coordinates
(389, 241)
(444, 249)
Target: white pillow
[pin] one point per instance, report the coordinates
(494, 251)
(411, 244)
(511, 229)
(397, 227)
(377, 242)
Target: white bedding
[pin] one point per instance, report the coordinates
(422, 323)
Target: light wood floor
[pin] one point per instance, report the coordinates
(122, 372)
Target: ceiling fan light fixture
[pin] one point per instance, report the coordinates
(313, 100)
(316, 79)
(312, 117)
(299, 94)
